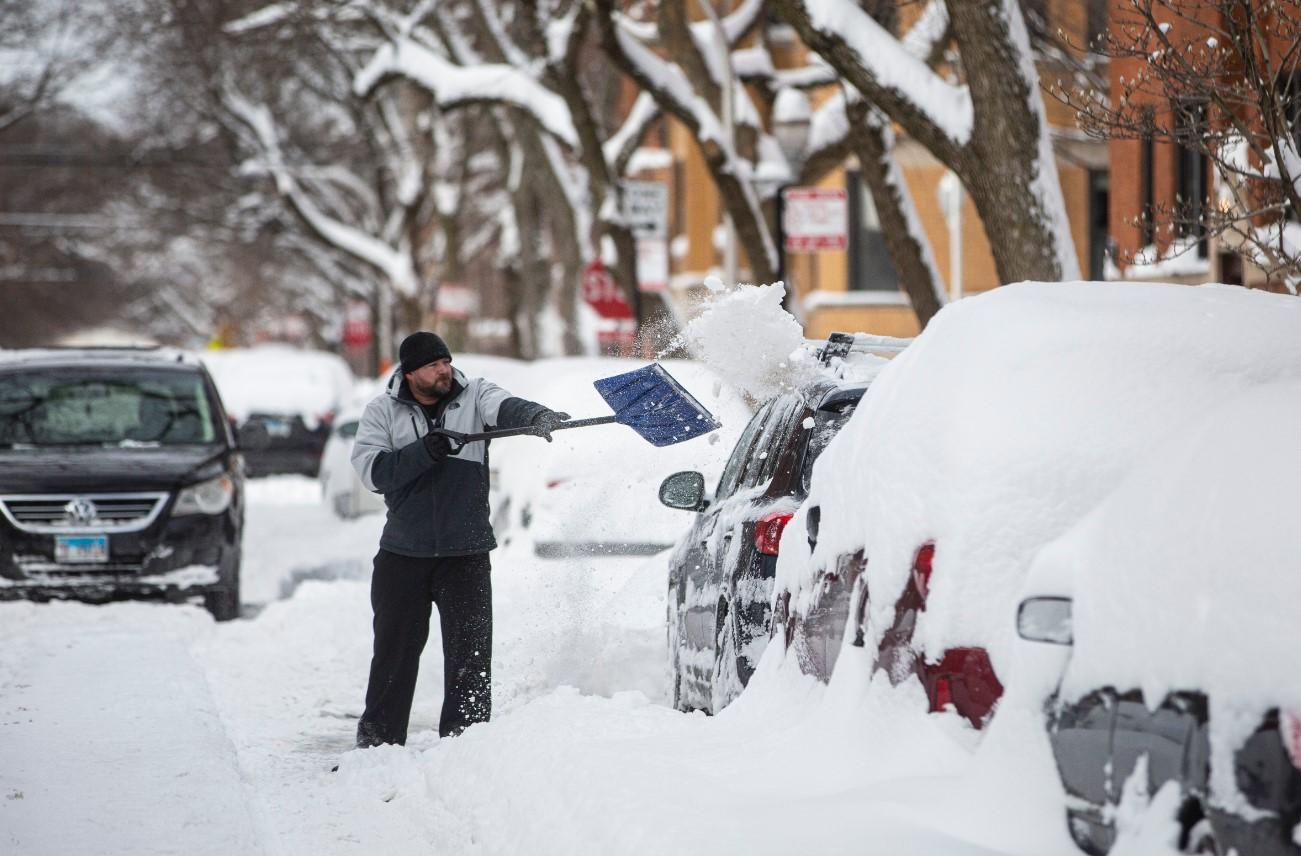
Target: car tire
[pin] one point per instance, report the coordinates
(673, 634)
(725, 682)
(342, 506)
(223, 601)
(1202, 839)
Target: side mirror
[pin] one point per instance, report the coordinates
(685, 490)
(253, 437)
(1045, 619)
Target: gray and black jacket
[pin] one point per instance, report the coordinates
(434, 509)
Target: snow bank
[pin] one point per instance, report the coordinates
(1007, 421)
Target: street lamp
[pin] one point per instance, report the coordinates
(791, 121)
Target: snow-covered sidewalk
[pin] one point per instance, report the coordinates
(109, 738)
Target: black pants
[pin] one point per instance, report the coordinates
(401, 591)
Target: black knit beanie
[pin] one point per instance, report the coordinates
(421, 349)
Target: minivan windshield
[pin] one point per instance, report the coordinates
(124, 407)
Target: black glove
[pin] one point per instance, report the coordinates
(438, 446)
(547, 420)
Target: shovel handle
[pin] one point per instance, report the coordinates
(459, 438)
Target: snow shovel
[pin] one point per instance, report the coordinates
(648, 400)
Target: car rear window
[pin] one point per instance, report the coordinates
(127, 407)
(826, 424)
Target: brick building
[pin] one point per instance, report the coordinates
(857, 288)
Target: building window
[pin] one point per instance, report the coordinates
(870, 268)
(1096, 16)
(1147, 191)
(1099, 201)
(1191, 166)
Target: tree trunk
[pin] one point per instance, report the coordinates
(909, 250)
(1022, 211)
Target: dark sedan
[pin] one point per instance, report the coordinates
(721, 573)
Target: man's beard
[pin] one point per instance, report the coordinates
(437, 389)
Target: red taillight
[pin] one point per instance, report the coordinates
(1289, 728)
(922, 568)
(965, 679)
(768, 531)
(555, 483)
(327, 418)
(942, 697)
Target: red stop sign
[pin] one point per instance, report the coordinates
(602, 293)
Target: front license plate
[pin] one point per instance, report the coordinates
(75, 549)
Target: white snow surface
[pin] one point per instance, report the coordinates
(1010, 418)
(140, 729)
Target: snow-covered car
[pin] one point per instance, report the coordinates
(293, 394)
(590, 492)
(1175, 606)
(1007, 421)
(721, 573)
(341, 487)
(119, 478)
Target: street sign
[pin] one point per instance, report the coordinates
(815, 218)
(602, 293)
(456, 301)
(652, 264)
(357, 330)
(646, 208)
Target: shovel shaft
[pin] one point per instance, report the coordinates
(460, 439)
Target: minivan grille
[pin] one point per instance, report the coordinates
(54, 513)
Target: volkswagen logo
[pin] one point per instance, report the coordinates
(80, 511)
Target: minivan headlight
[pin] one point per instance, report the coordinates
(207, 497)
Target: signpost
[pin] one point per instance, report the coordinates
(646, 210)
(618, 324)
(814, 219)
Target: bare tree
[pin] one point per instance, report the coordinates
(990, 128)
(529, 69)
(47, 47)
(1220, 80)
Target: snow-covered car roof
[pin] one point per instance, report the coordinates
(1185, 577)
(279, 379)
(1012, 416)
(98, 355)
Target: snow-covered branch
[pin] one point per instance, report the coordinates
(455, 86)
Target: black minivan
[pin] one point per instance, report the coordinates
(120, 478)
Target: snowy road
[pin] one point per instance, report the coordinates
(139, 729)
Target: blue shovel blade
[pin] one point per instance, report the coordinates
(652, 403)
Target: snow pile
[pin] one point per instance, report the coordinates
(1007, 421)
(280, 380)
(1190, 562)
(749, 340)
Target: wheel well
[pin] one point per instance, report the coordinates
(1190, 814)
